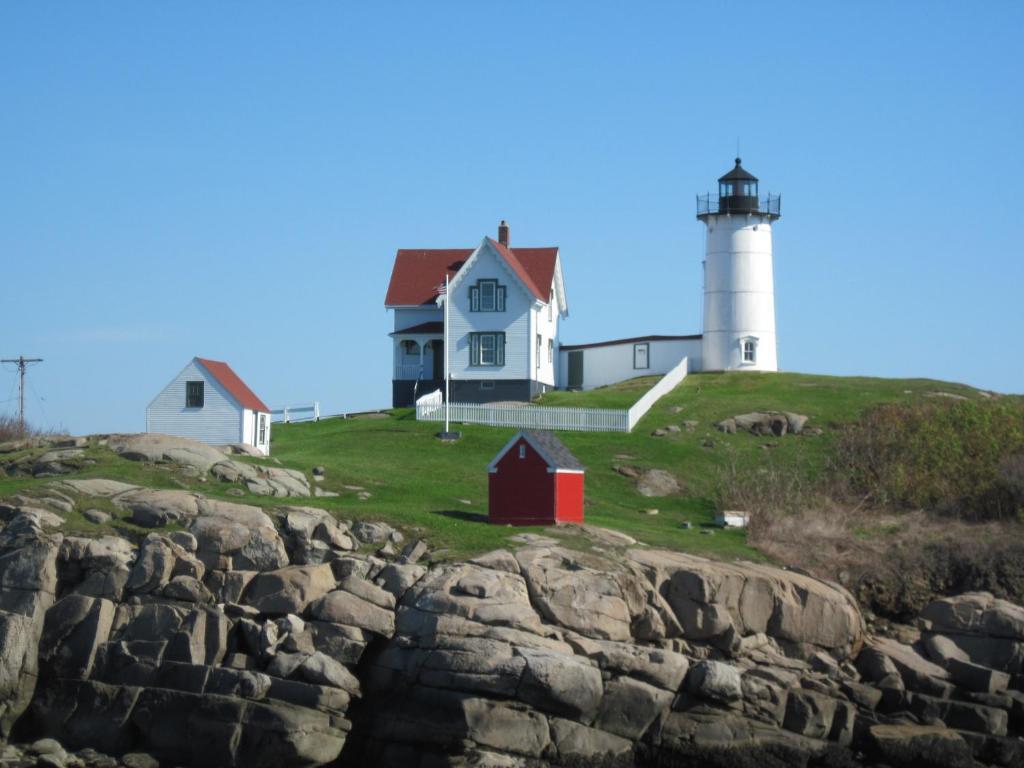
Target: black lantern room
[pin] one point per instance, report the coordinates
(737, 193)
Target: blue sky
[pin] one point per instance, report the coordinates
(232, 179)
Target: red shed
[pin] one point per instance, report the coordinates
(535, 480)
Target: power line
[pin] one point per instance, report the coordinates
(22, 362)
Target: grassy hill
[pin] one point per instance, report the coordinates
(392, 468)
(417, 482)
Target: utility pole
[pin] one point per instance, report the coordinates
(22, 362)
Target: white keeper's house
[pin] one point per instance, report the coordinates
(507, 304)
(208, 402)
(506, 307)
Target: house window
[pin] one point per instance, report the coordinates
(193, 394)
(522, 451)
(551, 350)
(749, 351)
(263, 428)
(540, 346)
(641, 353)
(487, 296)
(487, 349)
(551, 303)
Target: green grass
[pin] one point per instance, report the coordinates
(416, 481)
(439, 491)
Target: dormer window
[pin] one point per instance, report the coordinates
(487, 296)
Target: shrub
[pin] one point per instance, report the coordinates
(952, 458)
(10, 428)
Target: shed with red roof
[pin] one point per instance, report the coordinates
(210, 403)
(535, 480)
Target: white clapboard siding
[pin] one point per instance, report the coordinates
(406, 317)
(218, 422)
(514, 322)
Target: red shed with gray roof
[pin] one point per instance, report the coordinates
(535, 480)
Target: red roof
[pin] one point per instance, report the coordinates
(418, 273)
(235, 386)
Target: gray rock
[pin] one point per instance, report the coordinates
(657, 482)
(289, 590)
(152, 571)
(321, 669)
(809, 714)
(716, 681)
(188, 589)
(152, 508)
(560, 684)
(629, 707)
(397, 578)
(341, 607)
(96, 516)
(162, 449)
(573, 740)
(372, 533)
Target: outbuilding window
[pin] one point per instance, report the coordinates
(487, 349)
(522, 451)
(263, 428)
(487, 296)
(194, 394)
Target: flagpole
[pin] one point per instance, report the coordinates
(446, 367)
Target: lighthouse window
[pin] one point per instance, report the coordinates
(749, 352)
(725, 190)
(750, 189)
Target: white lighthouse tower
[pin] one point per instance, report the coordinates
(739, 289)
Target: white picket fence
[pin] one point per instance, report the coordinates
(430, 407)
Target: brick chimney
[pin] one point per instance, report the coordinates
(503, 233)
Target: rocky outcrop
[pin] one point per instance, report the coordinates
(768, 423)
(232, 635)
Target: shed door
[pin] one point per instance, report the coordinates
(576, 369)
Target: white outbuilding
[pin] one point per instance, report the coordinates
(209, 403)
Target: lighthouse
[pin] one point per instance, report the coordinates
(739, 288)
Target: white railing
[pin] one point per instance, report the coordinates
(290, 413)
(408, 371)
(666, 384)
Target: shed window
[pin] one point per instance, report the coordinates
(551, 350)
(263, 428)
(522, 451)
(194, 394)
(487, 349)
(487, 296)
(641, 355)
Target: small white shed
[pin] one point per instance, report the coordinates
(208, 402)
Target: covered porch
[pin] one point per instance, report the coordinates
(418, 362)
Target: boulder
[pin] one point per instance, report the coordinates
(588, 594)
(290, 589)
(152, 571)
(341, 607)
(560, 684)
(716, 681)
(717, 601)
(629, 707)
(657, 482)
(163, 449)
(152, 508)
